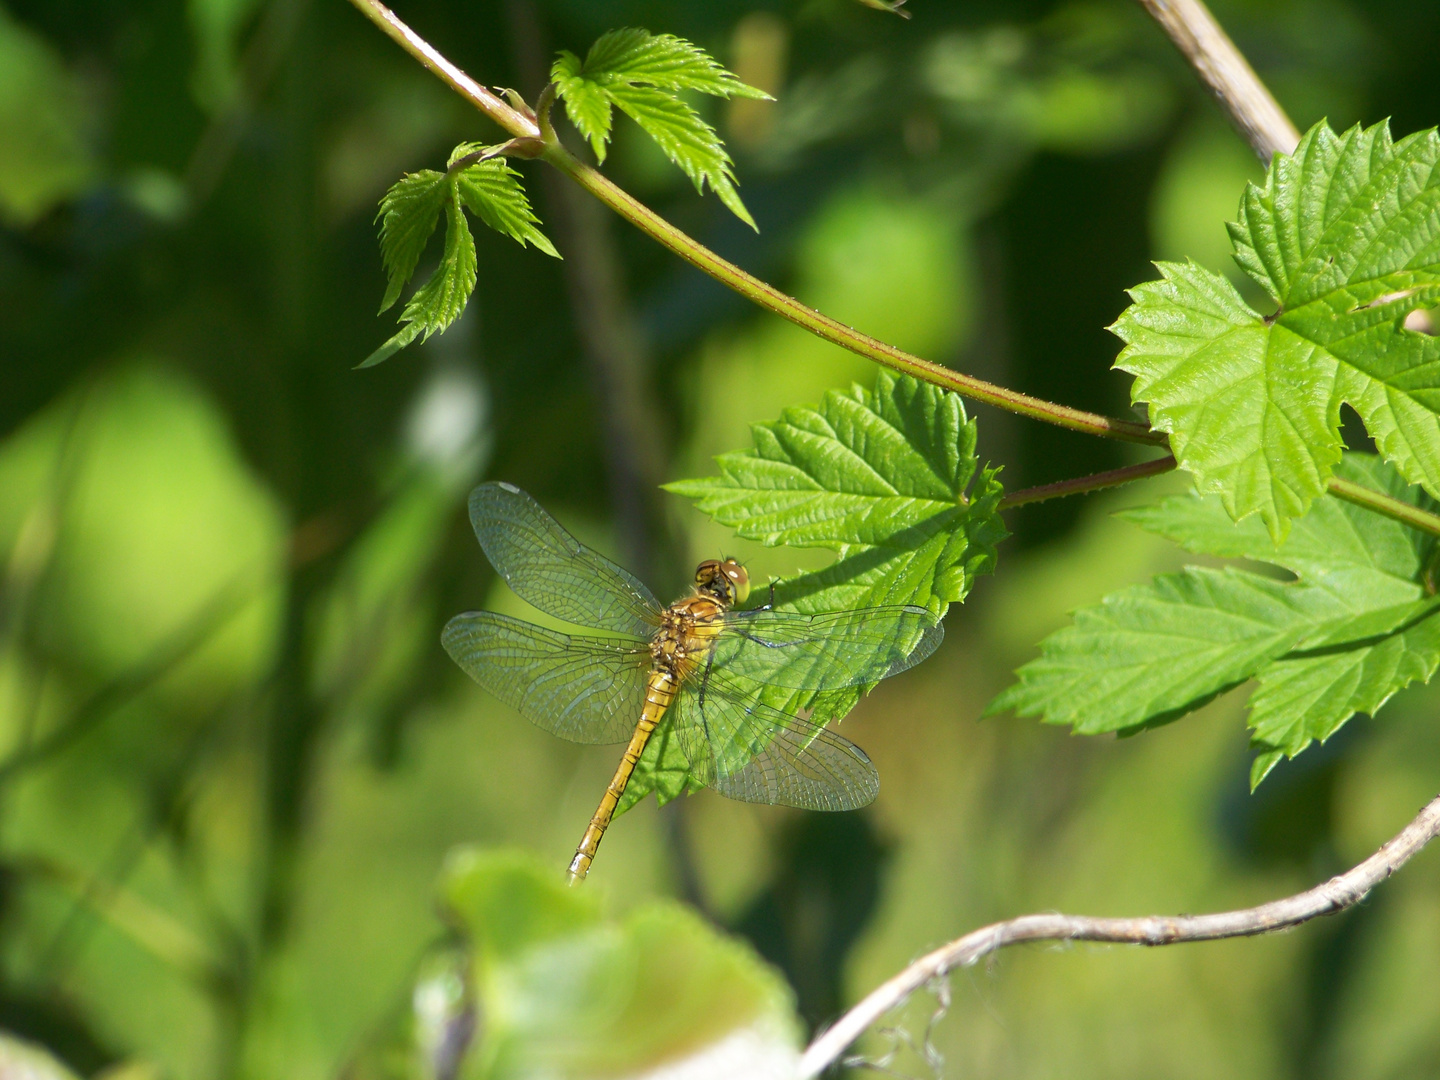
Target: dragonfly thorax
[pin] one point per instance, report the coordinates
(687, 629)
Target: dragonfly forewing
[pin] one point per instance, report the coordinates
(826, 651)
(585, 689)
(547, 567)
(749, 751)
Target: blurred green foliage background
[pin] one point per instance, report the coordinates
(232, 754)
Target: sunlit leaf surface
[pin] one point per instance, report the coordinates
(642, 74)
(1345, 237)
(1358, 624)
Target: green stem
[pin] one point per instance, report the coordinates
(832, 330)
(730, 275)
(1378, 502)
(1388, 505)
(1082, 484)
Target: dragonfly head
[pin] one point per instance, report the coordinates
(724, 579)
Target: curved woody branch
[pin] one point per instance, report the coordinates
(1227, 74)
(1333, 896)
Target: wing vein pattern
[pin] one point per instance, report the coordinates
(549, 568)
(825, 651)
(748, 751)
(584, 689)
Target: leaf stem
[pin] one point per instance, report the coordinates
(832, 330)
(1082, 484)
(1391, 507)
(730, 275)
(1333, 896)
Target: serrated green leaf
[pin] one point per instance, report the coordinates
(408, 215)
(1151, 653)
(1308, 696)
(883, 478)
(1345, 236)
(491, 191)
(440, 301)
(1356, 627)
(642, 73)
(661, 60)
(1337, 546)
(889, 481)
(586, 103)
(685, 139)
(397, 341)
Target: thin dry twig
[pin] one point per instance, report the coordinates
(1228, 75)
(1333, 896)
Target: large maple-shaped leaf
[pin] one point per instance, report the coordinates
(1345, 237)
(886, 479)
(1358, 623)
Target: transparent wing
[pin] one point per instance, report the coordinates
(826, 651)
(549, 568)
(748, 751)
(587, 690)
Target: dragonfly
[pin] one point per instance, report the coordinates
(701, 665)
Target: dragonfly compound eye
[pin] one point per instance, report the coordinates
(726, 581)
(738, 577)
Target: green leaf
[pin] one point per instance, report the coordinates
(1356, 626)
(1308, 696)
(632, 56)
(888, 480)
(1338, 545)
(441, 300)
(491, 190)
(408, 215)
(28, 1061)
(563, 993)
(1345, 237)
(506, 904)
(1151, 653)
(586, 103)
(687, 141)
(642, 73)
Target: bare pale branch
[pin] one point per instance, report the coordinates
(1335, 895)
